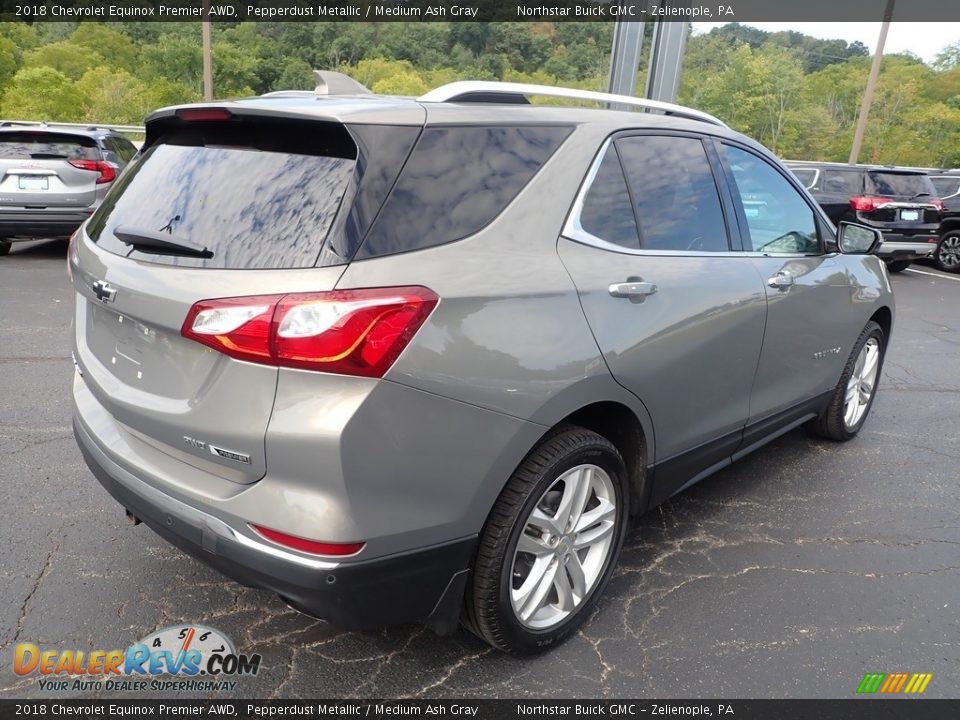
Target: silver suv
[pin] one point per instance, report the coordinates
(418, 360)
(53, 177)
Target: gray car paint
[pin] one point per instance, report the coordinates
(420, 456)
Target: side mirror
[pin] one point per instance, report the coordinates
(856, 239)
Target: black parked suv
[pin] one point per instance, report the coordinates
(53, 177)
(947, 255)
(900, 202)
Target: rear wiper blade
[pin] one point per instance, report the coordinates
(920, 195)
(158, 242)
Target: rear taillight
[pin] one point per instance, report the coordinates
(938, 203)
(308, 546)
(348, 332)
(107, 172)
(867, 203)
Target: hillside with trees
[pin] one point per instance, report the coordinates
(799, 95)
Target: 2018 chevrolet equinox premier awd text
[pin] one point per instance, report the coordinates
(406, 360)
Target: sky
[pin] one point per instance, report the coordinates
(921, 38)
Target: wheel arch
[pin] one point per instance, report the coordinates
(602, 406)
(883, 316)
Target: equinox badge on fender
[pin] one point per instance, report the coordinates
(218, 451)
(104, 291)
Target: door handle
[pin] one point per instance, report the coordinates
(781, 280)
(634, 291)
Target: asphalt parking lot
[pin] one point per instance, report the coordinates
(789, 574)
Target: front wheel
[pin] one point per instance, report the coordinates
(947, 255)
(853, 397)
(898, 266)
(550, 543)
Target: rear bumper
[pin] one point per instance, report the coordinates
(420, 586)
(41, 223)
(899, 247)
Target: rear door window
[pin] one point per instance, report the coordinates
(607, 212)
(674, 193)
(256, 194)
(946, 186)
(31, 145)
(806, 176)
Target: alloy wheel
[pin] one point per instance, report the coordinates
(861, 384)
(564, 547)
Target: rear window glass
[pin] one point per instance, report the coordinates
(256, 195)
(46, 146)
(899, 184)
(456, 181)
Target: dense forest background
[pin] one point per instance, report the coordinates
(797, 94)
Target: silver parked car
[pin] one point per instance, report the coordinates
(52, 177)
(418, 360)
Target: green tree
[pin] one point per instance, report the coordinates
(114, 47)
(174, 58)
(113, 96)
(42, 93)
(296, 75)
(71, 60)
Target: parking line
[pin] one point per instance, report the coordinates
(936, 275)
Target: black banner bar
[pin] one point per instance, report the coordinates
(853, 709)
(477, 10)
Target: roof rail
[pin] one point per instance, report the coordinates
(78, 126)
(482, 90)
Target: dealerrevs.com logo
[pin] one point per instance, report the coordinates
(176, 658)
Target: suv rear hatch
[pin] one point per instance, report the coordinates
(255, 198)
(904, 202)
(40, 169)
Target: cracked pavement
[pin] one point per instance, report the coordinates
(790, 574)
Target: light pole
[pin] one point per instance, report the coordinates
(871, 84)
(207, 53)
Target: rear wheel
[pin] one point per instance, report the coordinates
(947, 255)
(853, 397)
(550, 543)
(5, 247)
(898, 266)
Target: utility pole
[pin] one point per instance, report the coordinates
(207, 53)
(871, 85)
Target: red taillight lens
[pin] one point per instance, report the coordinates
(868, 204)
(239, 327)
(107, 172)
(938, 203)
(348, 332)
(308, 546)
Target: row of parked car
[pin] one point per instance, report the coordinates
(917, 210)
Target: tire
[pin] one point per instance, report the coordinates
(898, 266)
(5, 247)
(947, 255)
(834, 423)
(559, 460)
